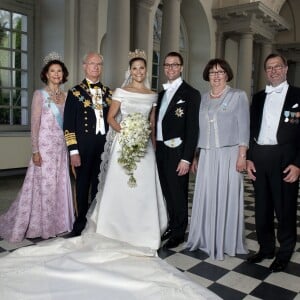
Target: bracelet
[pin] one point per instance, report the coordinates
(243, 155)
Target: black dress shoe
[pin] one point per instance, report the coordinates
(71, 234)
(258, 257)
(278, 265)
(166, 234)
(173, 242)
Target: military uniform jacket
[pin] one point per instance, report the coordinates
(79, 114)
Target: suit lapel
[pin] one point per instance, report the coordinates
(287, 104)
(260, 111)
(176, 97)
(160, 97)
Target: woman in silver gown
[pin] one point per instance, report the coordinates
(217, 222)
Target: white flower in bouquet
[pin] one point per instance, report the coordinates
(133, 138)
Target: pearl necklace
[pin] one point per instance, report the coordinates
(219, 94)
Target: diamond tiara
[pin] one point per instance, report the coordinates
(51, 56)
(137, 53)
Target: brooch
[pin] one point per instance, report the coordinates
(224, 106)
(179, 112)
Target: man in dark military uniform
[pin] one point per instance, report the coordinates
(85, 128)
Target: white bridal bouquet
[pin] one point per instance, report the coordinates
(133, 138)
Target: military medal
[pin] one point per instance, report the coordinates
(297, 117)
(286, 114)
(293, 114)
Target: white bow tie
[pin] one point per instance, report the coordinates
(167, 85)
(274, 89)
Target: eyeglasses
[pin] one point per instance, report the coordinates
(215, 73)
(93, 64)
(269, 69)
(171, 66)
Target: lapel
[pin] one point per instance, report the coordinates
(176, 97)
(259, 111)
(287, 105)
(160, 97)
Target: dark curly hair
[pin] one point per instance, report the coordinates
(222, 63)
(45, 70)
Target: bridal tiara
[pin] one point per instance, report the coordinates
(51, 56)
(137, 53)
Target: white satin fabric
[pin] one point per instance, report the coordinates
(136, 215)
(92, 267)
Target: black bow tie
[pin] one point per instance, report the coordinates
(94, 85)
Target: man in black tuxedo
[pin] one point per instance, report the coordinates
(177, 129)
(85, 128)
(273, 163)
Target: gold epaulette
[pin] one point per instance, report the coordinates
(70, 138)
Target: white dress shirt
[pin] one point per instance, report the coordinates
(97, 102)
(271, 114)
(171, 88)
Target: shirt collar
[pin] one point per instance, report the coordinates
(276, 89)
(173, 85)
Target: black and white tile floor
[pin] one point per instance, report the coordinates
(231, 278)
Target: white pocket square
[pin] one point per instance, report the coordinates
(180, 101)
(295, 105)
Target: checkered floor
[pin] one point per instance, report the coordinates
(232, 278)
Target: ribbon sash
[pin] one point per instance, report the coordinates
(54, 109)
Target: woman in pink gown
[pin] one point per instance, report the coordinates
(43, 207)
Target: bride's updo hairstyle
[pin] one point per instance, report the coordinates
(138, 54)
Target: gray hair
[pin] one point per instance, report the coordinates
(91, 53)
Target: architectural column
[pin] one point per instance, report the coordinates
(170, 31)
(220, 45)
(244, 72)
(143, 28)
(296, 78)
(117, 42)
(266, 49)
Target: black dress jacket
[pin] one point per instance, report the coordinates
(181, 118)
(288, 131)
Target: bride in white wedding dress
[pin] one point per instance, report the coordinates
(115, 257)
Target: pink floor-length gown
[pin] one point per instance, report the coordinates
(43, 207)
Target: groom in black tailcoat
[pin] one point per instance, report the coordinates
(177, 129)
(273, 163)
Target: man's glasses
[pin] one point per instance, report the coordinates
(269, 69)
(215, 73)
(171, 66)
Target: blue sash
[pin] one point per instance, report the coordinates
(54, 109)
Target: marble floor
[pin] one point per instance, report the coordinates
(231, 278)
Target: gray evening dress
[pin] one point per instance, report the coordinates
(217, 222)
